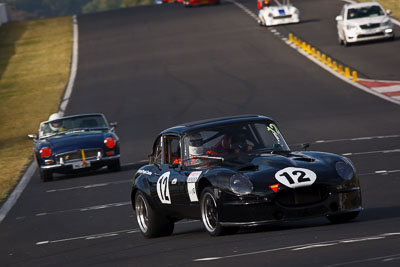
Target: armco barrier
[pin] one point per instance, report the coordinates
(3, 14)
(343, 70)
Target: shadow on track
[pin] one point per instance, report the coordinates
(130, 167)
(381, 213)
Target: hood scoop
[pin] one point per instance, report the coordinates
(248, 168)
(305, 159)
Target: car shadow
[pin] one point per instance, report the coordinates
(377, 41)
(367, 215)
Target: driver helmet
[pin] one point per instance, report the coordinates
(54, 126)
(196, 145)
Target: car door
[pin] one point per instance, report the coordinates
(170, 185)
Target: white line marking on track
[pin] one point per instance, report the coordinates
(88, 186)
(91, 208)
(12, 199)
(102, 235)
(74, 68)
(306, 246)
(315, 246)
(89, 237)
(372, 152)
(363, 260)
(245, 9)
(355, 139)
(383, 172)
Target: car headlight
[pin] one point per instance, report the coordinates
(387, 23)
(344, 169)
(351, 27)
(241, 184)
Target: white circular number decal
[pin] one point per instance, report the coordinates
(295, 177)
(163, 188)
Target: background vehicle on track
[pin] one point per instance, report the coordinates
(269, 15)
(238, 171)
(190, 3)
(80, 142)
(364, 22)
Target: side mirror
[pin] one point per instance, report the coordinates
(174, 166)
(388, 11)
(305, 146)
(151, 158)
(114, 124)
(338, 18)
(32, 136)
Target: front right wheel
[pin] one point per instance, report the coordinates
(209, 212)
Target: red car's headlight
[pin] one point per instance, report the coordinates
(45, 152)
(110, 142)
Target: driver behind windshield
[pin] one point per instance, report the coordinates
(55, 125)
(234, 141)
(195, 149)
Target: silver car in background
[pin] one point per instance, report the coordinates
(363, 22)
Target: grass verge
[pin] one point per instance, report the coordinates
(34, 69)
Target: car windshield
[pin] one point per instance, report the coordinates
(364, 12)
(72, 124)
(233, 139)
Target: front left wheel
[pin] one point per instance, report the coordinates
(46, 175)
(151, 223)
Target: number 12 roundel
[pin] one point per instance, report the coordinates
(295, 177)
(163, 188)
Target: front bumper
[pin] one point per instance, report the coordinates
(359, 35)
(283, 20)
(92, 164)
(263, 211)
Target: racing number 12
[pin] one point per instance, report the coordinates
(301, 177)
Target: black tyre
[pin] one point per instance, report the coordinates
(209, 213)
(115, 166)
(345, 43)
(151, 223)
(342, 218)
(46, 175)
(340, 41)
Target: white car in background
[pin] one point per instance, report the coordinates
(278, 14)
(363, 22)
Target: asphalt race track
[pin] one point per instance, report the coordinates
(152, 67)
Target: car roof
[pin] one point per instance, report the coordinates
(79, 115)
(214, 122)
(363, 4)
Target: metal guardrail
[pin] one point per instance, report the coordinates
(3, 13)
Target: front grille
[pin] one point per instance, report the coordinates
(302, 196)
(283, 17)
(370, 35)
(76, 155)
(370, 26)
